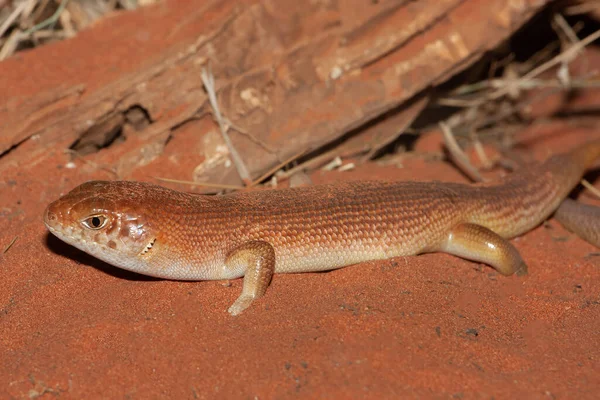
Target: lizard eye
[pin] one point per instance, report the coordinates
(95, 222)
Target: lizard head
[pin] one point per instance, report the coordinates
(107, 220)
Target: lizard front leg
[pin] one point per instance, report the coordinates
(256, 259)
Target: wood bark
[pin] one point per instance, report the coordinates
(292, 76)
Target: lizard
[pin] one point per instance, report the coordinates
(168, 234)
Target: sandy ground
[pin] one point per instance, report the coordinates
(431, 326)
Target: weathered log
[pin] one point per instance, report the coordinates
(291, 76)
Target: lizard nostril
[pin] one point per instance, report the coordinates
(49, 216)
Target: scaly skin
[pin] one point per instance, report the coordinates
(163, 233)
(582, 219)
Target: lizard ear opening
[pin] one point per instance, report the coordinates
(148, 247)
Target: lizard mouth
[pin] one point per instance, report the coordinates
(148, 248)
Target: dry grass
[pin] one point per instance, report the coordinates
(491, 102)
(492, 105)
(26, 24)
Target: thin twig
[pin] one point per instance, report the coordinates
(566, 28)
(346, 167)
(10, 245)
(208, 80)
(527, 81)
(277, 168)
(12, 17)
(563, 73)
(10, 44)
(457, 156)
(333, 164)
(583, 8)
(565, 55)
(500, 83)
(591, 188)
(480, 151)
(50, 21)
(317, 161)
(203, 184)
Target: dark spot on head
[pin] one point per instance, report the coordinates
(112, 244)
(124, 232)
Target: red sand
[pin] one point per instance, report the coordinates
(430, 326)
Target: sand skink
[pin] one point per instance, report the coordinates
(168, 234)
